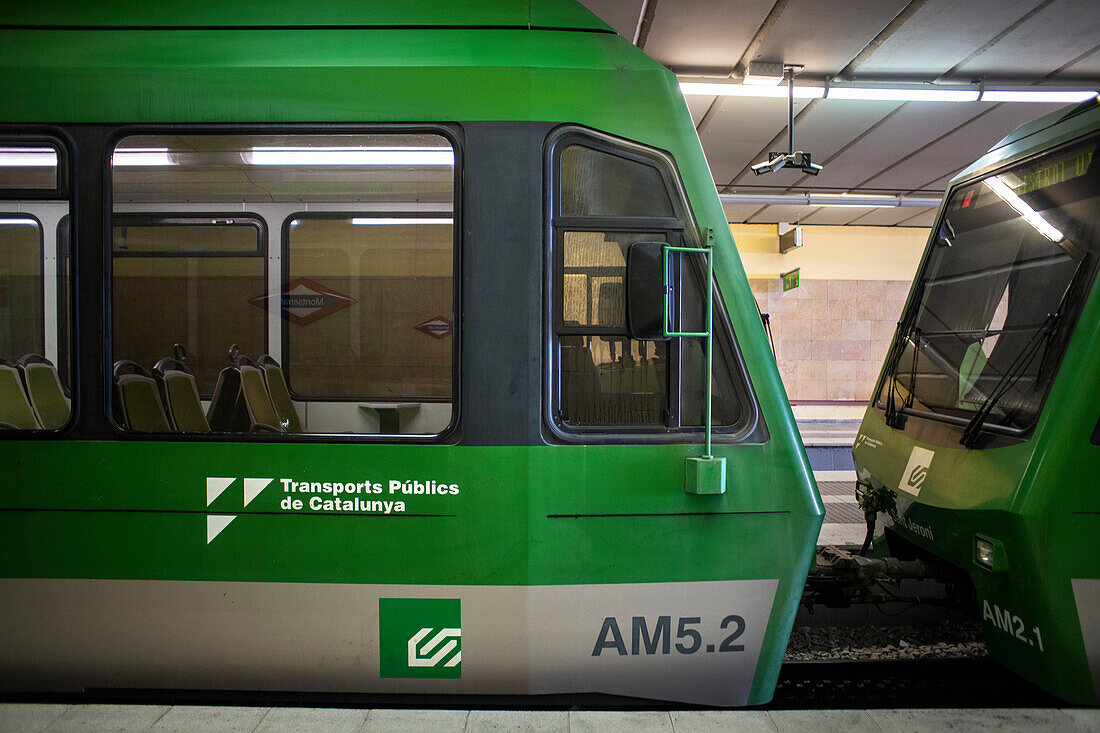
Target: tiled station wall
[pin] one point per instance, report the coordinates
(831, 336)
(832, 332)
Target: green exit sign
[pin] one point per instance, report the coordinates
(790, 279)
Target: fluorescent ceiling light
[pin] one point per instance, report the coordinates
(890, 94)
(378, 221)
(1006, 194)
(1038, 95)
(762, 81)
(18, 222)
(886, 93)
(351, 156)
(851, 200)
(725, 89)
(140, 157)
(851, 206)
(28, 158)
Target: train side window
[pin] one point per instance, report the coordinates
(179, 280)
(606, 196)
(33, 332)
(326, 310)
(64, 303)
(385, 286)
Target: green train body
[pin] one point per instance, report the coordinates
(565, 560)
(1014, 504)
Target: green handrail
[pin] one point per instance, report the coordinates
(708, 252)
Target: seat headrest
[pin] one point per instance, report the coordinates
(27, 359)
(125, 366)
(170, 364)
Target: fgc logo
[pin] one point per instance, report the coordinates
(916, 471)
(420, 637)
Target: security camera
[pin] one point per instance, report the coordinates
(799, 160)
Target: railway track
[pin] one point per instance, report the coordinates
(924, 683)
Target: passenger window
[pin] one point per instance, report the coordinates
(180, 280)
(605, 200)
(365, 281)
(33, 332)
(327, 308)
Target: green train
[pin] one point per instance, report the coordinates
(387, 347)
(982, 445)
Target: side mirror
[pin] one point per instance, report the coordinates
(645, 291)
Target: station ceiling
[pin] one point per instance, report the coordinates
(867, 147)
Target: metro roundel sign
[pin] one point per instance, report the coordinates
(304, 301)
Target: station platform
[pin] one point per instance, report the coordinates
(168, 719)
(844, 520)
(828, 431)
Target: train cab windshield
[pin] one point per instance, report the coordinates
(1011, 262)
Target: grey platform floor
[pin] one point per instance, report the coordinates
(26, 718)
(844, 522)
(840, 433)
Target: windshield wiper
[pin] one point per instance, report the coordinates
(1012, 375)
(1043, 336)
(895, 414)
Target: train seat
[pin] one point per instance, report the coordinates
(226, 413)
(16, 412)
(138, 399)
(257, 400)
(47, 397)
(280, 393)
(583, 398)
(181, 396)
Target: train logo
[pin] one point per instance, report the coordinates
(420, 637)
(436, 648)
(215, 487)
(912, 479)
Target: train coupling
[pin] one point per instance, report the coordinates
(833, 561)
(843, 578)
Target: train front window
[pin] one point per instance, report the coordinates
(33, 331)
(607, 378)
(602, 380)
(278, 284)
(1012, 261)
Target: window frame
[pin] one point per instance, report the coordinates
(556, 226)
(63, 191)
(183, 218)
(451, 132)
(43, 270)
(991, 435)
(455, 286)
(62, 188)
(65, 296)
